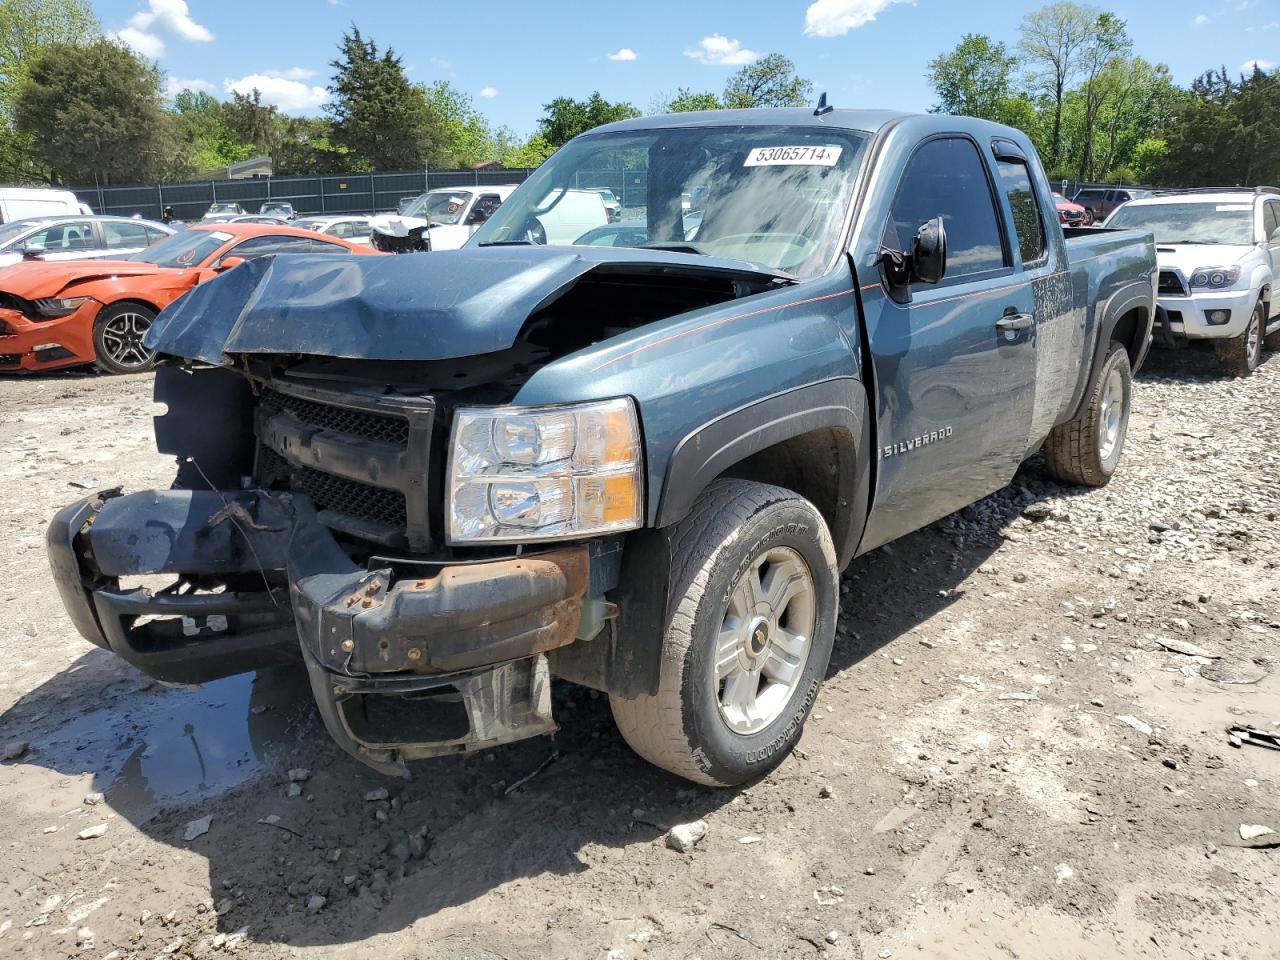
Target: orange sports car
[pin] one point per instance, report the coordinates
(55, 315)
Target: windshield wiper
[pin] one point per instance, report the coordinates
(677, 246)
(1191, 241)
(506, 243)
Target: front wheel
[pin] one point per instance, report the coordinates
(1086, 450)
(749, 639)
(1241, 355)
(117, 338)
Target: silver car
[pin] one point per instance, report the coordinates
(77, 238)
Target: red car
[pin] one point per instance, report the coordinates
(55, 315)
(1071, 214)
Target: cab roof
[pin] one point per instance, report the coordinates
(865, 121)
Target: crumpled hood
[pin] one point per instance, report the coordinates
(32, 279)
(1188, 257)
(425, 306)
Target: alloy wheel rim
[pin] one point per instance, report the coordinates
(1253, 341)
(122, 337)
(764, 640)
(1113, 416)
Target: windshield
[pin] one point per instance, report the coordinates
(775, 196)
(442, 206)
(1202, 222)
(187, 249)
(224, 208)
(310, 224)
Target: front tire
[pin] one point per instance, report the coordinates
(1241, 355)
(1086, 450)
(117, 338)
(755, 594)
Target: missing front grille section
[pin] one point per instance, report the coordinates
(385, 428)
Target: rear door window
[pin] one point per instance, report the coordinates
(1271, 220)
(1028, 222)
(124, 236)
(947, 178)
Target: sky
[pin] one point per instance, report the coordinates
(512, 57)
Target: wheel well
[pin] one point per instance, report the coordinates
(1126, 332)
(129, 301)
(818, 465)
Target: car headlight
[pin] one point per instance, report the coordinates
(54, 307)
(520, 474)
(1214, 276)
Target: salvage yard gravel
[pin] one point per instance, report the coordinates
(1021, 748)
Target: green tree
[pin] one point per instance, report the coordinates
(770, 81)
(685, 100)
(525, 154)
(27, 27)
(204, 126)
(466, 137)
(305, 145)
(1052, 41)
(564, 118)
(94, 111)
(973, 78)
(1107, 45)
(378, 115)
(253, 122)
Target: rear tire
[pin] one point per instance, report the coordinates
(1086, 450)
(117, 338)
(1241, 355)
(753, 572)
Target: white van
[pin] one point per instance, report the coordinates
(20, 203)
(572, 214)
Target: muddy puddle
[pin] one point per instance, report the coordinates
(164, 745)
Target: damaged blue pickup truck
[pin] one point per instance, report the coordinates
(638, 461)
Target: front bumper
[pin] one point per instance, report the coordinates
(406, 659)
(1187, 318)
(27, 344)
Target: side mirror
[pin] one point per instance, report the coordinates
(929, 252)
(477, 215)
(32, 251)
(925, 263)
(228, 262)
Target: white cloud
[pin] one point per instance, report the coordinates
(488, 92)
(626, 53)
(173, 17)
(835, 18)
(1248, 65)
(144, 44)
(284, 93)
(293, 73)
(174, 86)
(718, 49)
(170, 17)
(1200, 20)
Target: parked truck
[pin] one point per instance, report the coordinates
(440, 480)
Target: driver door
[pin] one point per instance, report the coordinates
(954, 367)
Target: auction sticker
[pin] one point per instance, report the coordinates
(812, 155)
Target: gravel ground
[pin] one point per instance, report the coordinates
(1020, 750)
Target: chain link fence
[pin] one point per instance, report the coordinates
(340, 193)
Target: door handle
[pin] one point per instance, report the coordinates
(1014, 321)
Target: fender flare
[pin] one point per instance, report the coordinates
(1132, 295)
(838, 404)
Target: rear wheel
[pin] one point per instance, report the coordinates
(1241, 355)
(1086, 450)
(746, 648)
(117, 338)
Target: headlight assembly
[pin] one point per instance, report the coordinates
(1215, 276)
(522, 474)
(54, 307)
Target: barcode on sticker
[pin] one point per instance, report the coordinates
(816, 156)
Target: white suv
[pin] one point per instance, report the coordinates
(1219, 251)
